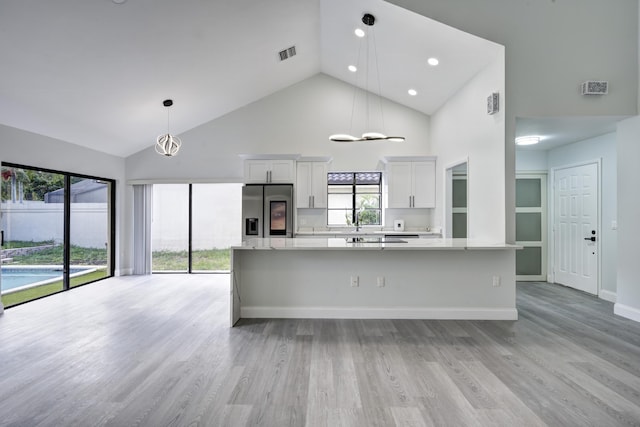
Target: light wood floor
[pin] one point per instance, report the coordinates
(158, 351)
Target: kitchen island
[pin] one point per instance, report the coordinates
(356, 278)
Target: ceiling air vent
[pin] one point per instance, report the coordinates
(593, 87)
(287, 53)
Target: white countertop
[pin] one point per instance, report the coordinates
(364, 231)
(340, 243)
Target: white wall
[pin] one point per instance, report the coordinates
(531, 160)
(295, 120)
(604, 148)
(30, 149)
(628, 294)
(39, 221)
(463, 129)
(216, 220)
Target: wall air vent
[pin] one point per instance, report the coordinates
(287, 53)
(593, 87)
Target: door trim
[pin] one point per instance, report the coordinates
(552, 216)
(544, 210)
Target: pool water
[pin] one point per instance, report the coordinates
(16, 277)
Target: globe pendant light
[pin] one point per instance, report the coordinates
(167, 144)
(368, 20)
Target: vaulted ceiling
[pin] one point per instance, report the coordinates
(95, 73)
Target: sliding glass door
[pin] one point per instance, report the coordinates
(89, 230)
(57, 232)
(170, 228)
(193, 227)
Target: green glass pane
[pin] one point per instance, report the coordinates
(369, 217)
(459, 229)
(528, 193)
(365, 201)
(529, 261)
(528, 227)
(459, 193)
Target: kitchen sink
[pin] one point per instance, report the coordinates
(374, 240)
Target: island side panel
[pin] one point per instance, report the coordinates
(234, 308)
(438, 284)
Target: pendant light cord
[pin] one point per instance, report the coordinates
(375, 53)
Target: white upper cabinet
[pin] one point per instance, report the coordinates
(311, 184)
(412, 184)
(277, 171)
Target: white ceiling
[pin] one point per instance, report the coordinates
(557, 131)
(95, 73)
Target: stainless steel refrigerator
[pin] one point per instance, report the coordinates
(267, 210)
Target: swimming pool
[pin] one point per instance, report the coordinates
(17, 277)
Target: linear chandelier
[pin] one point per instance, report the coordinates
(368, 20)
(167, 144)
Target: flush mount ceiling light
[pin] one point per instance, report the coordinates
(412, 92)
(433, 61)
(368, 20)
(167, 144)
(527, 140)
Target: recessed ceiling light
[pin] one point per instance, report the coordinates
(119, 1)
(412, 92)
(433, 61)
(359, 32)
(352, 68)
(527, 140)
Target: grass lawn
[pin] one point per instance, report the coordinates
(205, 260)
(28, 294)
(15, 244)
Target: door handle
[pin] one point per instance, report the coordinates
(592, 238)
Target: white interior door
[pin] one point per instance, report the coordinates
(576, 227)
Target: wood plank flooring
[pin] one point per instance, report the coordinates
(157, 351)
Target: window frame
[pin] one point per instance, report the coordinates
(355, 184)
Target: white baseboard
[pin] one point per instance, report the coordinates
(626, 311)
(449, 313)
(608, 296)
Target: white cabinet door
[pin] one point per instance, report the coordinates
(424, 184)
(282, 171)
(399, 183)
(269, 171)
(412, 184)
(319, 184)
(311, 185)
(303, 185)
(256, 171)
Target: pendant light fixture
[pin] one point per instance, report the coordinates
(368, 20)
(167, 144)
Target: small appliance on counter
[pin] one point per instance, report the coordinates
(398, 225)
(267, 210)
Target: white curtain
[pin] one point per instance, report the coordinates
(142, 204)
